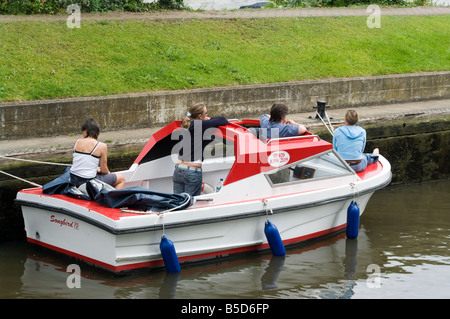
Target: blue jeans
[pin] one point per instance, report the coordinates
(187, 181)
(366, 160)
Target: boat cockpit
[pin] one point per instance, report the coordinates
(239, 150)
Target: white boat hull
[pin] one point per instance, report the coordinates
(260, 184)
(237, 233)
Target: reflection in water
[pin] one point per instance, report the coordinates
(217, 4)
(169, 286)
(404, 231)
(253, 276)
(273, 270)
(351, 250)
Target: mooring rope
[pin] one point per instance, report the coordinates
(330, 129)
(159, 213)
(355, 191)
(33, 161)
(21, 179)
(267, 207)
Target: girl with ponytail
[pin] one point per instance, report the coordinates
(187, 176)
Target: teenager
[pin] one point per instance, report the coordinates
(187, 176)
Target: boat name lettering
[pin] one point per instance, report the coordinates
(278, 158)
(64, 222)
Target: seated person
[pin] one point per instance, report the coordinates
(277, 125)
(88, 155)
(350, 140)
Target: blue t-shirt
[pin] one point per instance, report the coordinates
(349, 142)
(274, 129)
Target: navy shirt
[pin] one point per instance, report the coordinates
(200, 134)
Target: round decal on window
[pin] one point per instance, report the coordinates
(278, 158)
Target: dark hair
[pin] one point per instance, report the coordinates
(277, 112)
(91, 127)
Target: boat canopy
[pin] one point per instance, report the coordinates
(253, 155)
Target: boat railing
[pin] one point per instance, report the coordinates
(292, 138)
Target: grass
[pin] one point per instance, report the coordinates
(41, 60)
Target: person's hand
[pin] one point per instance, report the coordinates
(290, 122)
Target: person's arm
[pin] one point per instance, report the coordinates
(364, 141)
(301, 127)
(264, 120)
(103, 159)
(335, 141)
(214, 122)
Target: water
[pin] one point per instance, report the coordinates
(405, 232)
(440, 2)
(236, 4)
(218, 4)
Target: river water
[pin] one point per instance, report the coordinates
(402, 251)
(236, 4)
(218, 4)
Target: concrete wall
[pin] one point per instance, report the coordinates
(65, 116)
(418, 149)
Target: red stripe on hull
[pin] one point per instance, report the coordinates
(159, 263)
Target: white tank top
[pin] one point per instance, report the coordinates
(85, 164)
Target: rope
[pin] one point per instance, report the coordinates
(329, 122)
(330, 129)
(159, 213)
(125, 210)
(267, 207)
(21, 179)
(27, 160)
(33, 161)
(355, 192)
(163, 228)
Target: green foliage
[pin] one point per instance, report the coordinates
(336, 3)
(172, 4)
(59, 6)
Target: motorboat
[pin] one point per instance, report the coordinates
(299, 183)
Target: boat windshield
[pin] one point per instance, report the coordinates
(219, 147)
(324, 165)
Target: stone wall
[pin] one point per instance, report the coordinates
(139, 110)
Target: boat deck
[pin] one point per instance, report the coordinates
(371, 170)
